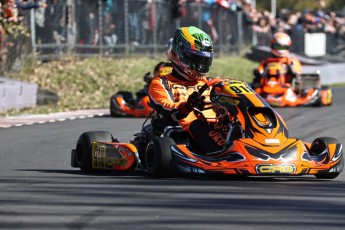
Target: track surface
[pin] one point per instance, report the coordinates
(39, 189)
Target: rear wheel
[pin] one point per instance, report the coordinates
(83, 151)
(327, 95)
(113, 107)
(318, 101)
(318, 146)
(158, 157)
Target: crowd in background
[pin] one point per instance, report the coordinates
(320, 20)
(104, 22)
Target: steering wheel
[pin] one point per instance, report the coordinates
(220, 109)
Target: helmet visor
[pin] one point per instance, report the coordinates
(199, 61)
(280, 47)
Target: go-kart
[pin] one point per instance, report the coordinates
(123, 104)
(307, 91)
(257, 143)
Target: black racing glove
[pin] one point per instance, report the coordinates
(196, 100)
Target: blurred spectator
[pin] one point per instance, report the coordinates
(262, 28)
(133, 20)
(58, 18)
(147, 21)
(87, 19)
(110, 37)
(30, 4)
(42, 35)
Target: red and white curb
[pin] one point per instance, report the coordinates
(7, 122)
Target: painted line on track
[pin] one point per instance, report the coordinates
(21, 120)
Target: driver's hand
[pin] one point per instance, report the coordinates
(196, 100)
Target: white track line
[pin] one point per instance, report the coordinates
(17, 121)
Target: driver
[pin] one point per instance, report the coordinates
(161, 69)
(280, 50)
(174, 95)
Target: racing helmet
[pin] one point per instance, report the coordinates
(162, 68)
(280, 44)
(191, 52)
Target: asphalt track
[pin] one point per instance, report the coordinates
(39, 189)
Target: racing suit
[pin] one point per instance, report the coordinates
(168, 92)
(293, 68)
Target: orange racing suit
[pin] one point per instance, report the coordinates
(293, 62)
(168, 92)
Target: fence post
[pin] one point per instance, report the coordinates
(33, 31)
(126, 27)
(220, 29)
(200, 12)
(100, 26)
(240, 31)
(154, 28)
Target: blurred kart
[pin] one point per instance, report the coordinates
(304, 90)
(257, 143)
(124, 104)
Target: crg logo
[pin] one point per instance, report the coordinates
(275, 169)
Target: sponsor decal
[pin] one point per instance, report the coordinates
(272, 141)
(275, 169)
(217, 137)
(274, 65)
(227, 100)
(268, 131)
(206, 43)
(99, 157)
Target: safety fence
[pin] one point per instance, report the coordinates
(128, 27)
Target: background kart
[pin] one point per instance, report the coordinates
(279, 93)
(124, 104)
(257, 143)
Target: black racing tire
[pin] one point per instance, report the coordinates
(317, 147)
(114, 111)
(73, 159)
(326, 87)
(329, 176)
(158, 157)
(83, 154)
(318, 102)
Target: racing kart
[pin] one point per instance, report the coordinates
(124, 104)
(257, 143)
(307, 91)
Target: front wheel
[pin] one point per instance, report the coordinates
(327, 175)
(83, 151)
(319, 149)
(158, 157)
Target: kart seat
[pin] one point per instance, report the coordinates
(177, 134)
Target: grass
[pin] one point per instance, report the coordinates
(88, 83)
